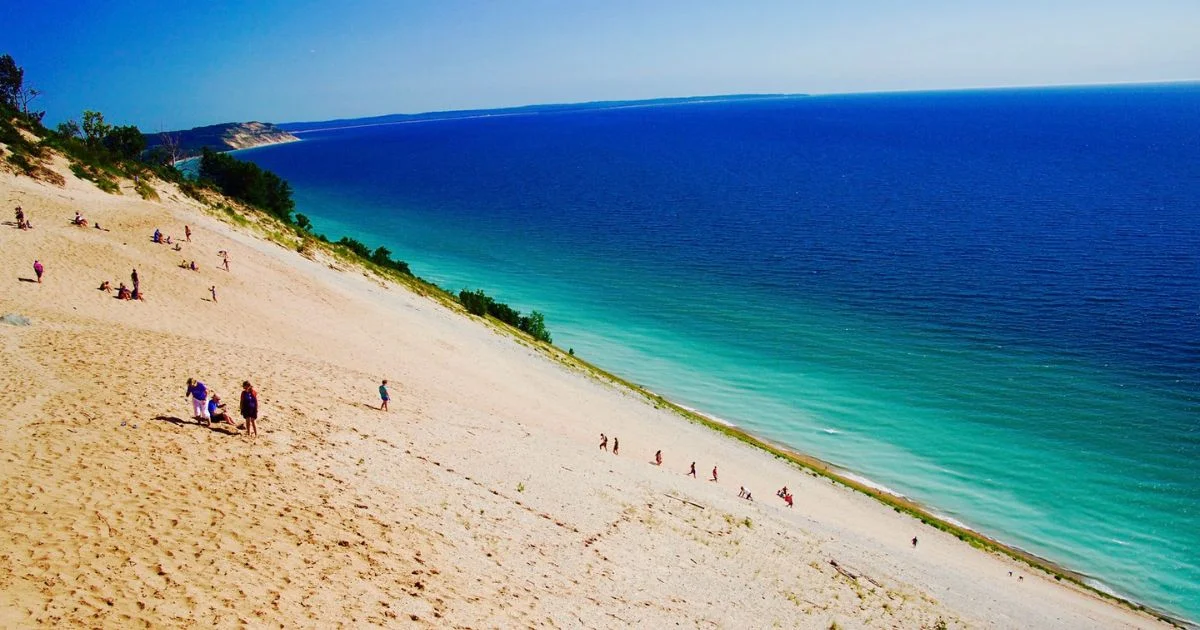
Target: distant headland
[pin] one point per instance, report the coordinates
(223, 137)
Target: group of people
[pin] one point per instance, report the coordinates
(743, 493)
(123, 292)
(207, 409)
(23, 221)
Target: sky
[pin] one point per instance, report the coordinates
(170, 65)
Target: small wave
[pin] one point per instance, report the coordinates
(830, 431)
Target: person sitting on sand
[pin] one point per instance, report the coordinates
(138, 294)
(106, 287)
(782, 492)
(122, 292)
(168, 240)
(157, 238)
(216, 412)
(193, 266)
(79, 220)
(787, 498)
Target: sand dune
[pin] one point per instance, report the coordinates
(480, 500)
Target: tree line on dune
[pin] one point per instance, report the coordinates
(105, 154)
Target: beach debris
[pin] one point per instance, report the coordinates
(13, 319)
(684, 500)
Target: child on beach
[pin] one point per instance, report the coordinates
(38, 269)
(199, 395)
(249, 409)
(383, 395)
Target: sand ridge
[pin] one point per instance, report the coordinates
(480, 500)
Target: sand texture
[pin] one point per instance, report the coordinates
(479, 500)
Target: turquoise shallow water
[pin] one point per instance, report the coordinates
(987, 301)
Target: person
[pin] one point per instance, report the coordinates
(604, 442)
(714, 474)
(692, 472)
(782, 492)
(133, 276)
(79, 220)
(616, 445)
(749, 496)
(193, 266)
(106, 287)
(213, 291)
(383, 395)
(741, 491)
(157, 236)
(38, 269)
(199, 395)
(788, 499)
(658, 458)
(122, 292)
(20, 218)
(914, 542)
(168, 239)
(216, 412)
(249, 408)
(225, 259)
(137, 294)
(187, 233)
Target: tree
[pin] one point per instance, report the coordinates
(303, 223)
(12, 79)
(125, 142)
(27, 95)
(69, 129)
(172, 145)
(94, 128)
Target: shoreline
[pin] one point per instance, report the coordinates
(861, 484)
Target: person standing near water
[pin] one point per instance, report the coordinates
(383, 395)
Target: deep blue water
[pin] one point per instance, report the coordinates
(987, 301)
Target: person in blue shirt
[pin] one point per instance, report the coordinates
(199, 395)
(216, 411)
(383, 395)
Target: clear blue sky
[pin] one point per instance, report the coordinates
(162, 64)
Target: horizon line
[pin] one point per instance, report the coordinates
(764, 95)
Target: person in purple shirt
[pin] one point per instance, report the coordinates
(199, 395)
(38, 269)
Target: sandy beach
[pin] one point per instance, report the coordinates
(480, 499)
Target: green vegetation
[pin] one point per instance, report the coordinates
(479, 303)
(248, 183)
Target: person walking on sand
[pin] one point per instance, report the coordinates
(187, 233)
(38, 269)
(604, 442)
(213, 290)
(692, 472)
(133, 276)
(383, 395)
(658, 458)
(616, 445)
(714, 474)
(199, 395)
(249, 409)
(914, 542)
(225, 259)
